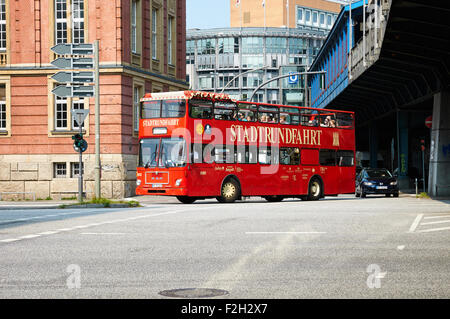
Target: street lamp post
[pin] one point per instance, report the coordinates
(235, 77)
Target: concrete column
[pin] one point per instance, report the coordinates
(439, 176)
(373, 144)
(402, 138)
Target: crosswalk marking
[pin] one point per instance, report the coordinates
(425, 223)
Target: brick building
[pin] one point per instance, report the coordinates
(313, 14)
(142, 49)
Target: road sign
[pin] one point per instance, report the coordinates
(74, 91)
(73, 63)
(429, 121)
(293, 79)
(79, 115)
(74, 77)
(73, 49)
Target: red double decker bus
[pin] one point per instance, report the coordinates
(197, 145)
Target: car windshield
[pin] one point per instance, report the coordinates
(165, 152)
(374, 173)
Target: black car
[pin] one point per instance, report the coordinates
(376, 181)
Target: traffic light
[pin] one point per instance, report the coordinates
(79, 143)
(422, 145)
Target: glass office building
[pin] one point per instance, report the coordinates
(214, 57)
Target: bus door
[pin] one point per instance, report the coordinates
(269, 170)
(289, 170)
(345, 162)
(329, 171)
(202, 170)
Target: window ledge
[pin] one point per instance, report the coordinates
(66, 132)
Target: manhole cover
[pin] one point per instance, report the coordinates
(193, 293)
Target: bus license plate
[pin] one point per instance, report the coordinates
(156, 185)
(381, 187)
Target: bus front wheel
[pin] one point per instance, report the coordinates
(229, 192)
(314, 189)
(186, 199)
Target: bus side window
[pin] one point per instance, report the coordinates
(208, 151)
(290, 156)
(197, 153)
(199, 109)
(268, 114)
(344, 120)
(268, 155)
(345, 158)
(327, 157)
(247, 113)
(224, 111)
(224, 154)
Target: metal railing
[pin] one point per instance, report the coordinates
(367, 49)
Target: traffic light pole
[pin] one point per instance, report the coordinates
(80, 167)
(97, 119)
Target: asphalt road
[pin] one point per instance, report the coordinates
(334, 248)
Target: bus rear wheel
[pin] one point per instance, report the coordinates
(229, 192)
(314, 189)
(186, 199)
(274, 198)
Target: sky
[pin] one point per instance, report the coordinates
(206, 14)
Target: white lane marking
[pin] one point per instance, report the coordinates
(415, 223)
(48, 233)
(283, 232)
(434, 217)
(9, 240)
(103, 234)
(433, 229)
(401, 247)
(438, 222)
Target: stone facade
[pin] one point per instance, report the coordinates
(34, 176)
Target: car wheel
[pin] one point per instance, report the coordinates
(395, 194)
(363, 195)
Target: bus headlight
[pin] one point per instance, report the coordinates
(138, 182)
(178, 182)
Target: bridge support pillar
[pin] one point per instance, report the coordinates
(439, 177)
(402, 134)
(373, 144)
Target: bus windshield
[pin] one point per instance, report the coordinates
(163, 109)
(164, 152)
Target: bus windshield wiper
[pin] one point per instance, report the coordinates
(150, 161)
